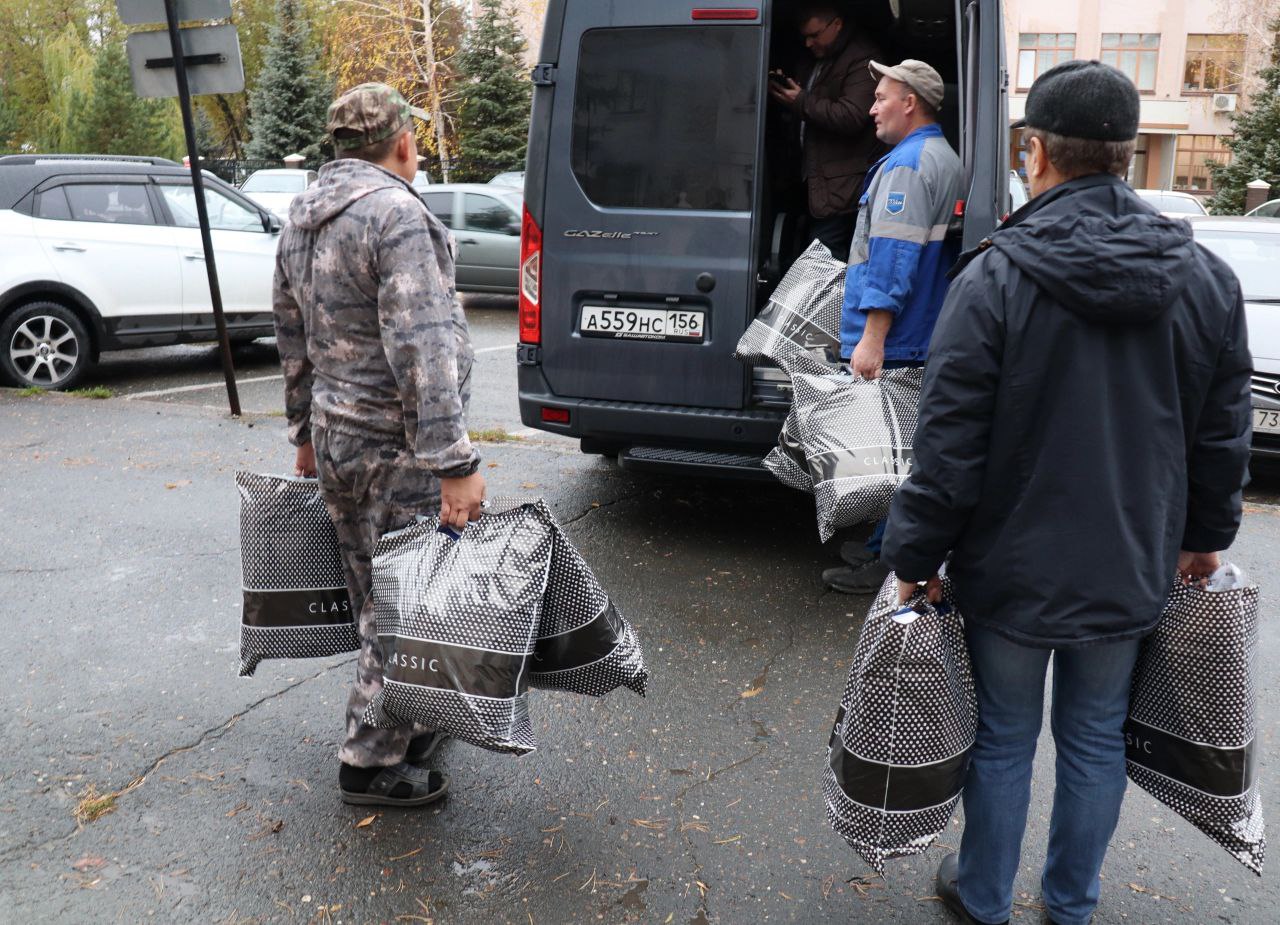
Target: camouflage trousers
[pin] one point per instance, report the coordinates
(371, 485)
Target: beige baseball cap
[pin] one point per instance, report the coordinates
(368, 114)
(920, 77)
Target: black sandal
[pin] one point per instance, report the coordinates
(400, 784)
(422, 747)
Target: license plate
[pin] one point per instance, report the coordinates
(1266, 420)
(672, 324)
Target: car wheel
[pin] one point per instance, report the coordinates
(43, 344)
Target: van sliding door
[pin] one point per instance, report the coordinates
(647, 218)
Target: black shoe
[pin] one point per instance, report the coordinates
(849, 580)
(398, 785)
(422, 747)
(855, 553)
(948, 890)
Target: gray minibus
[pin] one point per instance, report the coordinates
(661, 209)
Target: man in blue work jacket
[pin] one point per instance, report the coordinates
(899, 260)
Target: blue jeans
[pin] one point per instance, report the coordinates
(1090, 700)
(876, 539)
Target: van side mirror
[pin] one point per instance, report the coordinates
(513, 227)
(271, 224)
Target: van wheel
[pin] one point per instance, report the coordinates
(43, 344)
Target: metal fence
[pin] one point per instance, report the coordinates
(233, 171)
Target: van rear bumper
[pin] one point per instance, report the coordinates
(625, 424)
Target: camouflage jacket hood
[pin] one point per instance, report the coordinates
(342, 183)
(371, 336)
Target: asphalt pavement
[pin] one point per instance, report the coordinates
(119, 572)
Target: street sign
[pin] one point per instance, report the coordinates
(137, 12)
(212, 57)
(184, 62)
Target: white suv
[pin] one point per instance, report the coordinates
(104, 253)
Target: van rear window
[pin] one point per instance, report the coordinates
(665, 118)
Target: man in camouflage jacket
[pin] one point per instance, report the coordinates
(377, 364)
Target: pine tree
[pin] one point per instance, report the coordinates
(493, 114)
(8, 121)
(1255, 149)
(291, 100)
(112, 119)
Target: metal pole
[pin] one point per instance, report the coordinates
(202, 211)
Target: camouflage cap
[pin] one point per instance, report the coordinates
(368, 114)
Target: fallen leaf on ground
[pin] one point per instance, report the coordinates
(367, 820)
(88, 862)
(178, 484)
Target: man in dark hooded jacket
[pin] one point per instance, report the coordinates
(1084, 432)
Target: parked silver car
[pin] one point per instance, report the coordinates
(486, 223)
(1018, 194)
(1252, 248)
(1266, 210)
(512, 178)
(275, 188)
(1174, 205)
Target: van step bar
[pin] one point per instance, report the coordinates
(694, 462)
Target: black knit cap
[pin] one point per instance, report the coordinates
(1083, 99)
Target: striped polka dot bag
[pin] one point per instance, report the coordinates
(295, 593)
(907, 721)
(470, 620)
(801, 322)
(857, 436)
(1190, 739)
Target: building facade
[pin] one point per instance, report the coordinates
(1192, 61)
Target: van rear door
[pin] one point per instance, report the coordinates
(647, 211)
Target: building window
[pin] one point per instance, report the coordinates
(1039, 51)
(1215, 64)
(1018, 153)
(1135, 54)
(1191, 170)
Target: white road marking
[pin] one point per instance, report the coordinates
(197, 388)
(217, 385)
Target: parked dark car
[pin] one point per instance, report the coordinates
(485, 221)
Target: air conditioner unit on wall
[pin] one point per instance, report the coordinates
(1224, 102)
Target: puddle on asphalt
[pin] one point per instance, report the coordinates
(633, 899)
(482, 878)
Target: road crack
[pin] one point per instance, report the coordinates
(601, 505)
(209, 735)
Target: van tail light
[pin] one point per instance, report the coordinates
(530, 280)
(555, 415)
